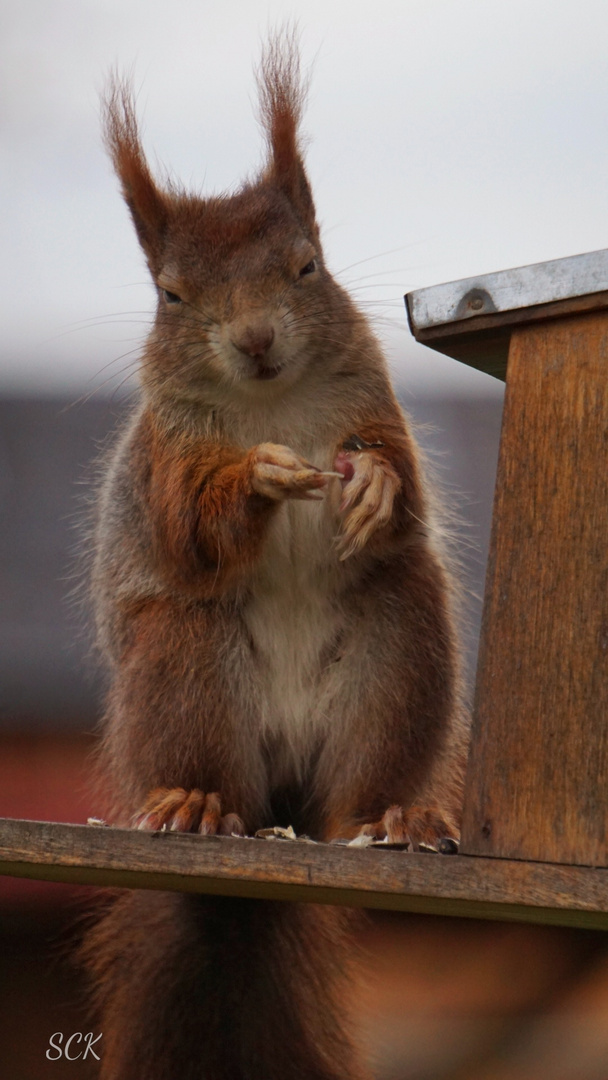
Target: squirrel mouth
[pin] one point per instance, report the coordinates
(267, 372)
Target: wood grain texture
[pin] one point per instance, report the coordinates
(537, 785)
(322, 874)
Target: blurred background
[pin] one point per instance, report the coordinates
(447, 140)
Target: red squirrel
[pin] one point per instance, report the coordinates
(274, 609)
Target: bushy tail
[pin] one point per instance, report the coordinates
(207, 988)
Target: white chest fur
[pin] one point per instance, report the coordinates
(293, 613)
(294, 619)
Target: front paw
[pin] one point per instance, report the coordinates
(370, 486)
(429, 826)
(178, 810)
(279, 473)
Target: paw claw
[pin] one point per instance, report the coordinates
(279, 473)
(367, 501)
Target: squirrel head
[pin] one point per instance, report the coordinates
(239, 277)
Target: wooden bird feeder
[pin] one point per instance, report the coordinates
(534, 841)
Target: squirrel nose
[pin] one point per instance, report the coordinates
(254, 340)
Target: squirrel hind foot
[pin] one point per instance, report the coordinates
(429, 826)
(178, 810)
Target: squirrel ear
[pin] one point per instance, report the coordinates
(282, 96)
(148, 205)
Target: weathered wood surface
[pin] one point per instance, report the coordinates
(483, 342)
(280, 870)
(471, 319)
(537, 785)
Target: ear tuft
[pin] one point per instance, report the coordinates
(282, 97)
(148, 205)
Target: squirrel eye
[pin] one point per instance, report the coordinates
(171, 297)
(309, 268)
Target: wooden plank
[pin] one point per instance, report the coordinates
(471, 319)
(538, 773)
(373, 878)
(509, 290)
(483, 341)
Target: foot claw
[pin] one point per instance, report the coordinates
(178, 810)
(212, 815)
(231, 825)
(418, 826)
(448, 845)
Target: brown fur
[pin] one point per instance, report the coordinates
(207, 521)
(267, 1012)
(281, 641)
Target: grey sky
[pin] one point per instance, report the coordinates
(471, 134)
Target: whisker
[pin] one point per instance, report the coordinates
(382, 273)
(381, 255)
(120, 316)
(380, 285)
